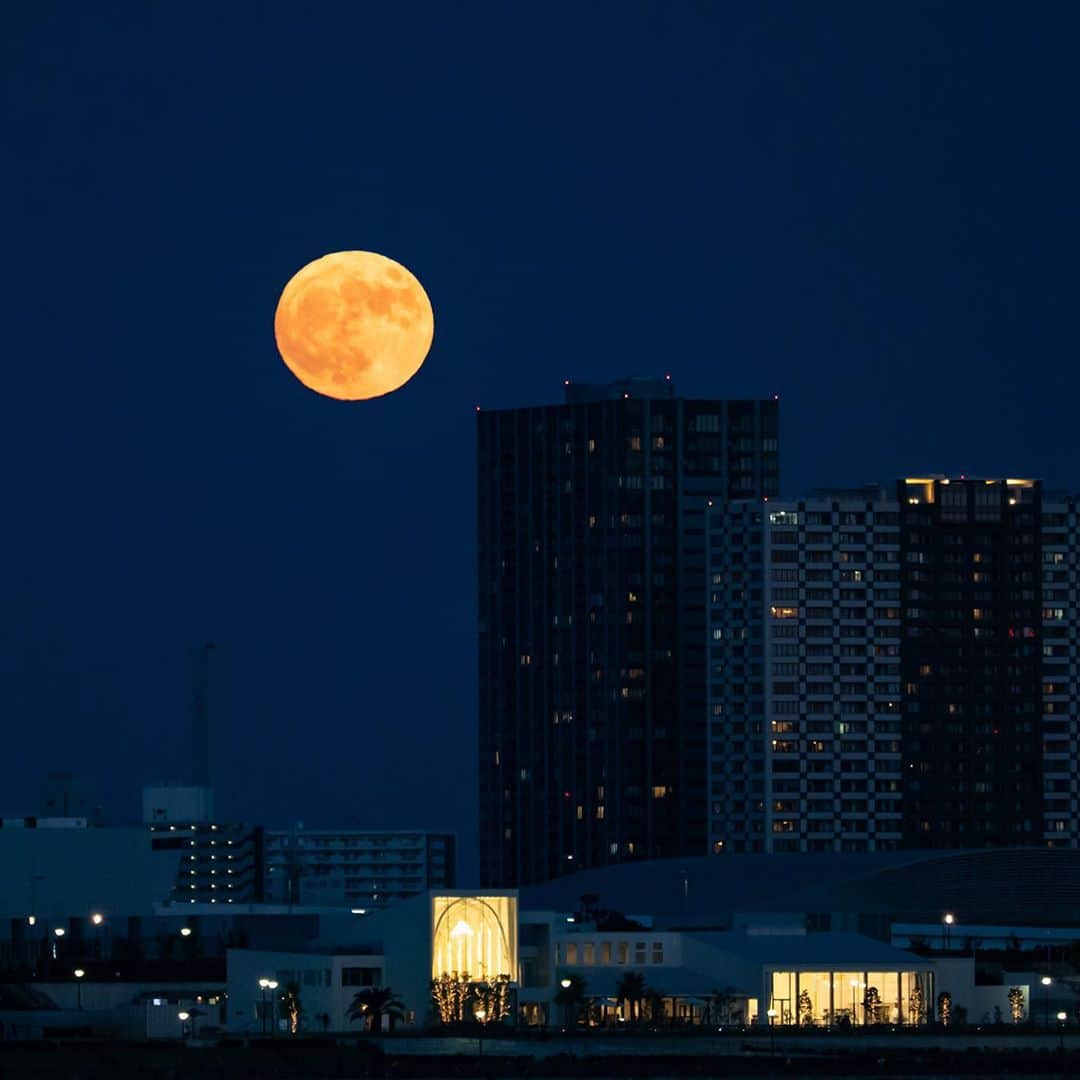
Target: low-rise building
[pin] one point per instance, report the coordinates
(359, 868)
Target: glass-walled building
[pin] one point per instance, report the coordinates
(827, 998)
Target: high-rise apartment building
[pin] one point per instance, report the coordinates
(804, 687)
(593, 724)
(971, 662)
(1060, 538)
(895, 668)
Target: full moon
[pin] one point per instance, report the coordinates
(354, 325)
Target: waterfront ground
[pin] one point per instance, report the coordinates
(929, 1056)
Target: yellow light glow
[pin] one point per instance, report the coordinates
(920, 487)
(354, 325)
(474, 936)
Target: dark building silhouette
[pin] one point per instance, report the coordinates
(971, 662)
(592, 620)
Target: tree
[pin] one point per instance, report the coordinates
(491, 999)
(1016, 1004)
(631, 989)
(722, 1000)
(655, 1000)
(571, 997)
(806, 1007)
(871, 1005)
(917, 1003)
(451, 991)
(371, 1003)
(290, 1000)
(944, 1007)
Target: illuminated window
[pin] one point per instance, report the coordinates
(784, 612)
(476, 935)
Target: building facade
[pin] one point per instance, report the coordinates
(1060, 698)
(593, 734)
(218, 864)
(971, 662)
(895, 668)
(804, 688)
(361, 868)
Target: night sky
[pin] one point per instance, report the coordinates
(870, 209)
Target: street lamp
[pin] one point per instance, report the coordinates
(566, 984)
(183, 1017)
(947, 921)
(480, 1014)
(185, 931)
(59, 933)
(79, 973)
(264, 985)
(97, 920)
(272, 985)
(1046, 981)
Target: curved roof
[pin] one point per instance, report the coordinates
(1026, 886)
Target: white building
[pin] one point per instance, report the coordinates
(325, 982)
(360, 868)
(1060, 536)
(824, 979)
(804, 686)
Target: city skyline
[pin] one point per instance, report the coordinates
(866, 211)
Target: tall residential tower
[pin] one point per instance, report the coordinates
(895, 667)
(593, 725)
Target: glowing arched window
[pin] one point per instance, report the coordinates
(474, 936)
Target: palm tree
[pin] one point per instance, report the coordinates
(631, 989)
(722, 1000)
(372, 1003)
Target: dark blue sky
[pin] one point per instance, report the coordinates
(869, 208)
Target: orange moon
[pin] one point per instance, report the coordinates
(354, 325)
